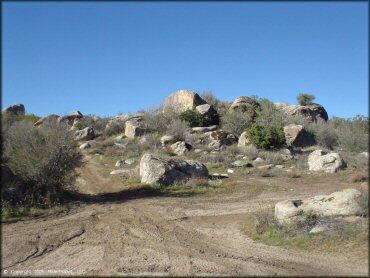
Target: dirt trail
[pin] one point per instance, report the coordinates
(160, 235)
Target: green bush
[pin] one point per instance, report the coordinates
(194, 118)
(305, 99)
(42, 162)
(266, 137)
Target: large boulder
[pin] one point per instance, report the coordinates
(328, 162)
(223, 137)
(181, 101)
(180, 148)
(286, 212)
(312, 112)
(70, 119)
(16, 109)
(245, 104)
(48, 118)
(167, 139)
(209, 113)
(157, 170)
(85, 134)
(243, 141)
(341, 203)
(132, 129)
(297, 136)
(121, 119)
(220, 138)
(337, 204)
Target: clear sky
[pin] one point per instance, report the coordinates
(119, 57)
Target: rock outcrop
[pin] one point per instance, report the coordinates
(132, 129)
(181, 101)
(180, 148)
(312, 112)
(157, 170)
(48, 118)
(70, 119)
(297, 136)
(167, 139)
(16, 109)
(243, 141)
(245, 104)
(209, 113)
(220, 138)
(85, 134)
(328, 162)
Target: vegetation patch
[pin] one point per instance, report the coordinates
(340, 237)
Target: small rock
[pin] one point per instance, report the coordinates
(318, 229)
(120, 172)
(85, 134)
(259, 160)
(268, 166)
(120, 137)
(119, 163)
(120, 145)
(201, 129)
(230, 171)
(279, 166)
(180, 147)
(85, 146)
(167, 139)
(130, 161)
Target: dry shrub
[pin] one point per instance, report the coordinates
(293, 174)
(236, 122)
(251, 152)
(358, 177)
(265, 173)
(43, 159)
(354, 161)
(197, 182)
(353, 134)
(264, 220)
(114, 128)
(157, 119)
(177, 128)
(324, 133)
(272, 157)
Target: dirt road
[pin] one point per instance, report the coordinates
(148, 233)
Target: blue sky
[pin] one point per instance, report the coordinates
(108, 58)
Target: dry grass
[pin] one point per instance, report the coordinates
(359, 177)
(342, 237)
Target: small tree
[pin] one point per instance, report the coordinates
(305, 99)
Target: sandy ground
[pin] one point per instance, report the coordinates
(111, 231)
